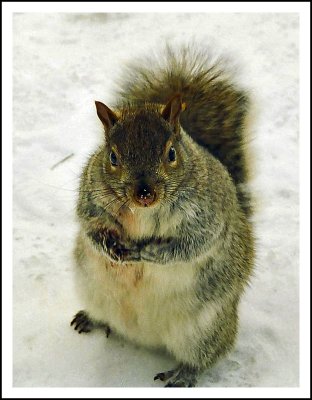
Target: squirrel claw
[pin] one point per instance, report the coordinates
(179, 377)
(82, 323)
(164, 376)
(107, 330)
(121, 255)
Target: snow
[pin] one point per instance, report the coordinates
(61, 64)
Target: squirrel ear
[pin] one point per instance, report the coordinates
(172, 110)
(106, 115)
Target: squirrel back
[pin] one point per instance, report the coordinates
(215, 109)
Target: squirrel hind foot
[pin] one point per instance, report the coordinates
(182, 376)
(83, 323)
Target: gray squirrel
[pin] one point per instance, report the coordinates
(165, 247)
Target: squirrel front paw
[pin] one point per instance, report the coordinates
(157, 250)
(120, 251)
(115, 248)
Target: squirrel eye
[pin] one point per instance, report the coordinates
(172, 154)
(113, 158)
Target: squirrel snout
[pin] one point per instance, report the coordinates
(144, 194)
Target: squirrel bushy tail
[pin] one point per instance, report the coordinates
(215, 109)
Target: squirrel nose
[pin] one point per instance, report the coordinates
(144, 195)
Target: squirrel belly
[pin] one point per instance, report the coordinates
(138, 300)
(165, 248)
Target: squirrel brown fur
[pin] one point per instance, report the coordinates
(215, 109)
(166, 248)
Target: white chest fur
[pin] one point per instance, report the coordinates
(137, 223)
(142, 222)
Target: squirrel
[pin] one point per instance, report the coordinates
(165, 247)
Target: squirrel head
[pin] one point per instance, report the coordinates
(143, 157)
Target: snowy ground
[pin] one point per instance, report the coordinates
(62, 63)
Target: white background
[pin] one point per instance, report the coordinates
(61, 64)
